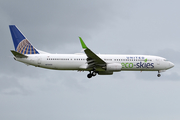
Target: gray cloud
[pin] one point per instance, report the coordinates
(57, 21)
(11, 86)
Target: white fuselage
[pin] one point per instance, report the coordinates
(101, 64)
(79, 62)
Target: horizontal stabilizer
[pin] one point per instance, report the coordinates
(18, 55)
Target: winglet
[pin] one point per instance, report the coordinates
(83, 44)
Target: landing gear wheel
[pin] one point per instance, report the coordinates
(89, 75)
(93, 73)
(159, 75)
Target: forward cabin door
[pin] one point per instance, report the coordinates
(158, 61)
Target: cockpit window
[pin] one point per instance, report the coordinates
(165, 60)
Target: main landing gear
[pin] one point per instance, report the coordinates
(91, 73)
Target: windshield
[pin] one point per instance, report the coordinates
(165, 60)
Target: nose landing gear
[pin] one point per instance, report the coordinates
(159, 75)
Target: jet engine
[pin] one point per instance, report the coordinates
(113, 67)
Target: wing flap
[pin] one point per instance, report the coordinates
(93, 56)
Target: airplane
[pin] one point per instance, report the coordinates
(101, 64)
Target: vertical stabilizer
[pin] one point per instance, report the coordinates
(21, 44)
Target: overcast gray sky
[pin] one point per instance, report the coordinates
(117, 26)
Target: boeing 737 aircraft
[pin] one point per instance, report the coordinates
(104, 64)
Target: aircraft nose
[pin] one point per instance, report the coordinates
(171, 64)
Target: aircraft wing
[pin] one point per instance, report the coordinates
(94, 61)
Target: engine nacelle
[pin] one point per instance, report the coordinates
(113, 67)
